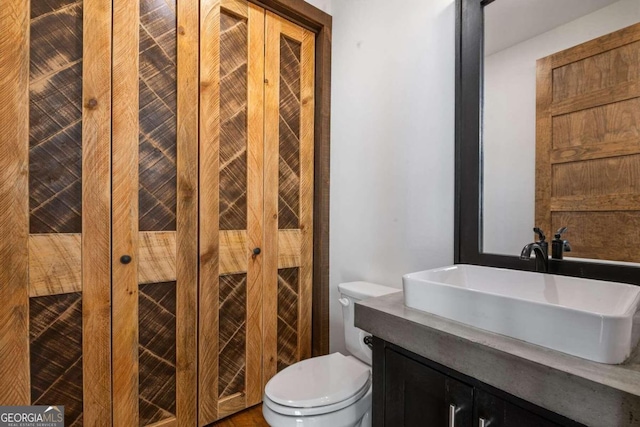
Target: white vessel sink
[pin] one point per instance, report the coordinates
(591, 319)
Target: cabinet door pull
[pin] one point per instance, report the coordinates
(483, 423)
(452, 415)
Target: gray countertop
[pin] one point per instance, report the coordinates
(591, 393)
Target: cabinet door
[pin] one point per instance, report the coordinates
(231, 207)
(417, 395)
(154, 202)
(55, 220)
(288, 193)
(491, 411)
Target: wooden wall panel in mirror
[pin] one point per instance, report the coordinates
(561, 127)
(588, 146)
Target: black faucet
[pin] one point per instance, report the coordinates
(541, 249)
(558, 245)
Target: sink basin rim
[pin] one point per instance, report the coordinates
(532, 312)
(630, 310)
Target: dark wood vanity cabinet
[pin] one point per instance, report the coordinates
(498, 412)
(411, 391)
(416, 395)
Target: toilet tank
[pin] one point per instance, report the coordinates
(349, 294)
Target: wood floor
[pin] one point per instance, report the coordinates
(251, 417)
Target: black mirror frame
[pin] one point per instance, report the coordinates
(468, 216)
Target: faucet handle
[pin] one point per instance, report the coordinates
(540, 234)
(559, 246)
(560, 232)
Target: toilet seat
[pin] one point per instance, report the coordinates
(318, 410)
(318, 385)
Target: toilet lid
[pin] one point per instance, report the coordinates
(319, 381)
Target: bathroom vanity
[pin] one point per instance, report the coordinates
(432, 371)
(416, 391)
(529, 111)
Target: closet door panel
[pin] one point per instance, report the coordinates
(157, 191)
(55, 334)
(231, 176)
(55, 205)
(289, 95)
(157, 352)
(55, 117)
(148, 309)
(157, 115)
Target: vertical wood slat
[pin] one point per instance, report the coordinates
(126, 17)
(188, 34)
(255, 200)
(271, 164)
(544, 75)
(96, 212)
(307, 70)
(14, 203)
(209, 209)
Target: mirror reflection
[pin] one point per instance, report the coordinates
(561, 127)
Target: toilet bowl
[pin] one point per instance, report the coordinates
(332, 390)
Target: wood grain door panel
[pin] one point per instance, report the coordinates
(231, 208)
(157, 391)
(55, 199)
(150, 312)
(588, 145)
(55, 348)
(616, 66)
(288, 216)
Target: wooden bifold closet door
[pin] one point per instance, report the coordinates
(98, 312)
(157, 238)
(256, 202)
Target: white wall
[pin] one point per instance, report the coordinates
(392, 142)
(324, 5)
(509, 123)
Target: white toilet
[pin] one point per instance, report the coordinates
(332, 390)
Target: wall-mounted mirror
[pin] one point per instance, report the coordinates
(560, 133)
(548, 134)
